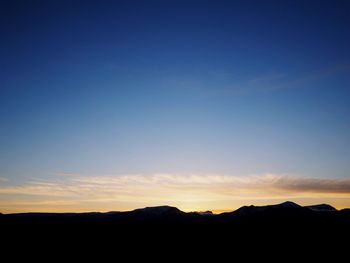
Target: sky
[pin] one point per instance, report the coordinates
(115, 105)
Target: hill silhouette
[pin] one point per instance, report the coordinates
(166, 229)
(287, 213)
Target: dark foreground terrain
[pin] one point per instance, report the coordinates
(272, 229)
(286, 216)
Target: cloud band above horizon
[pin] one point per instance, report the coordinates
(187, 192)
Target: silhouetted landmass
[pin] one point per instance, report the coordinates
(286, 228)
(322, 207)
(284, 214)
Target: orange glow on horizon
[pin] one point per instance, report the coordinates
(217, 193)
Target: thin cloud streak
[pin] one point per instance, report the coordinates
(67, 174)
(185, 191)
(272, 81)
(3, 179)
(335, 186)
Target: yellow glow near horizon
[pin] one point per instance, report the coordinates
(218, 193)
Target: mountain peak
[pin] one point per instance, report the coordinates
(289, 204)
(252, 210)
(321, 208)
(204, 213)
(158, 210)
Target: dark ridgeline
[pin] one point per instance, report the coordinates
(284, 216)
(261, 232)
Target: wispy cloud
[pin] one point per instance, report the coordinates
(3, 179)
(331, 186)
(185, 191)
(67, 174)
(222, 82)
(270, 81)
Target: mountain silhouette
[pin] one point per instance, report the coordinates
(167, 226)
(158, 211)
(252, 210)
(284, 213)
(322, 207)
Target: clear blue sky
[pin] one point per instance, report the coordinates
(125, 87)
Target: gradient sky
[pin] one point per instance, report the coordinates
(128, 94)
